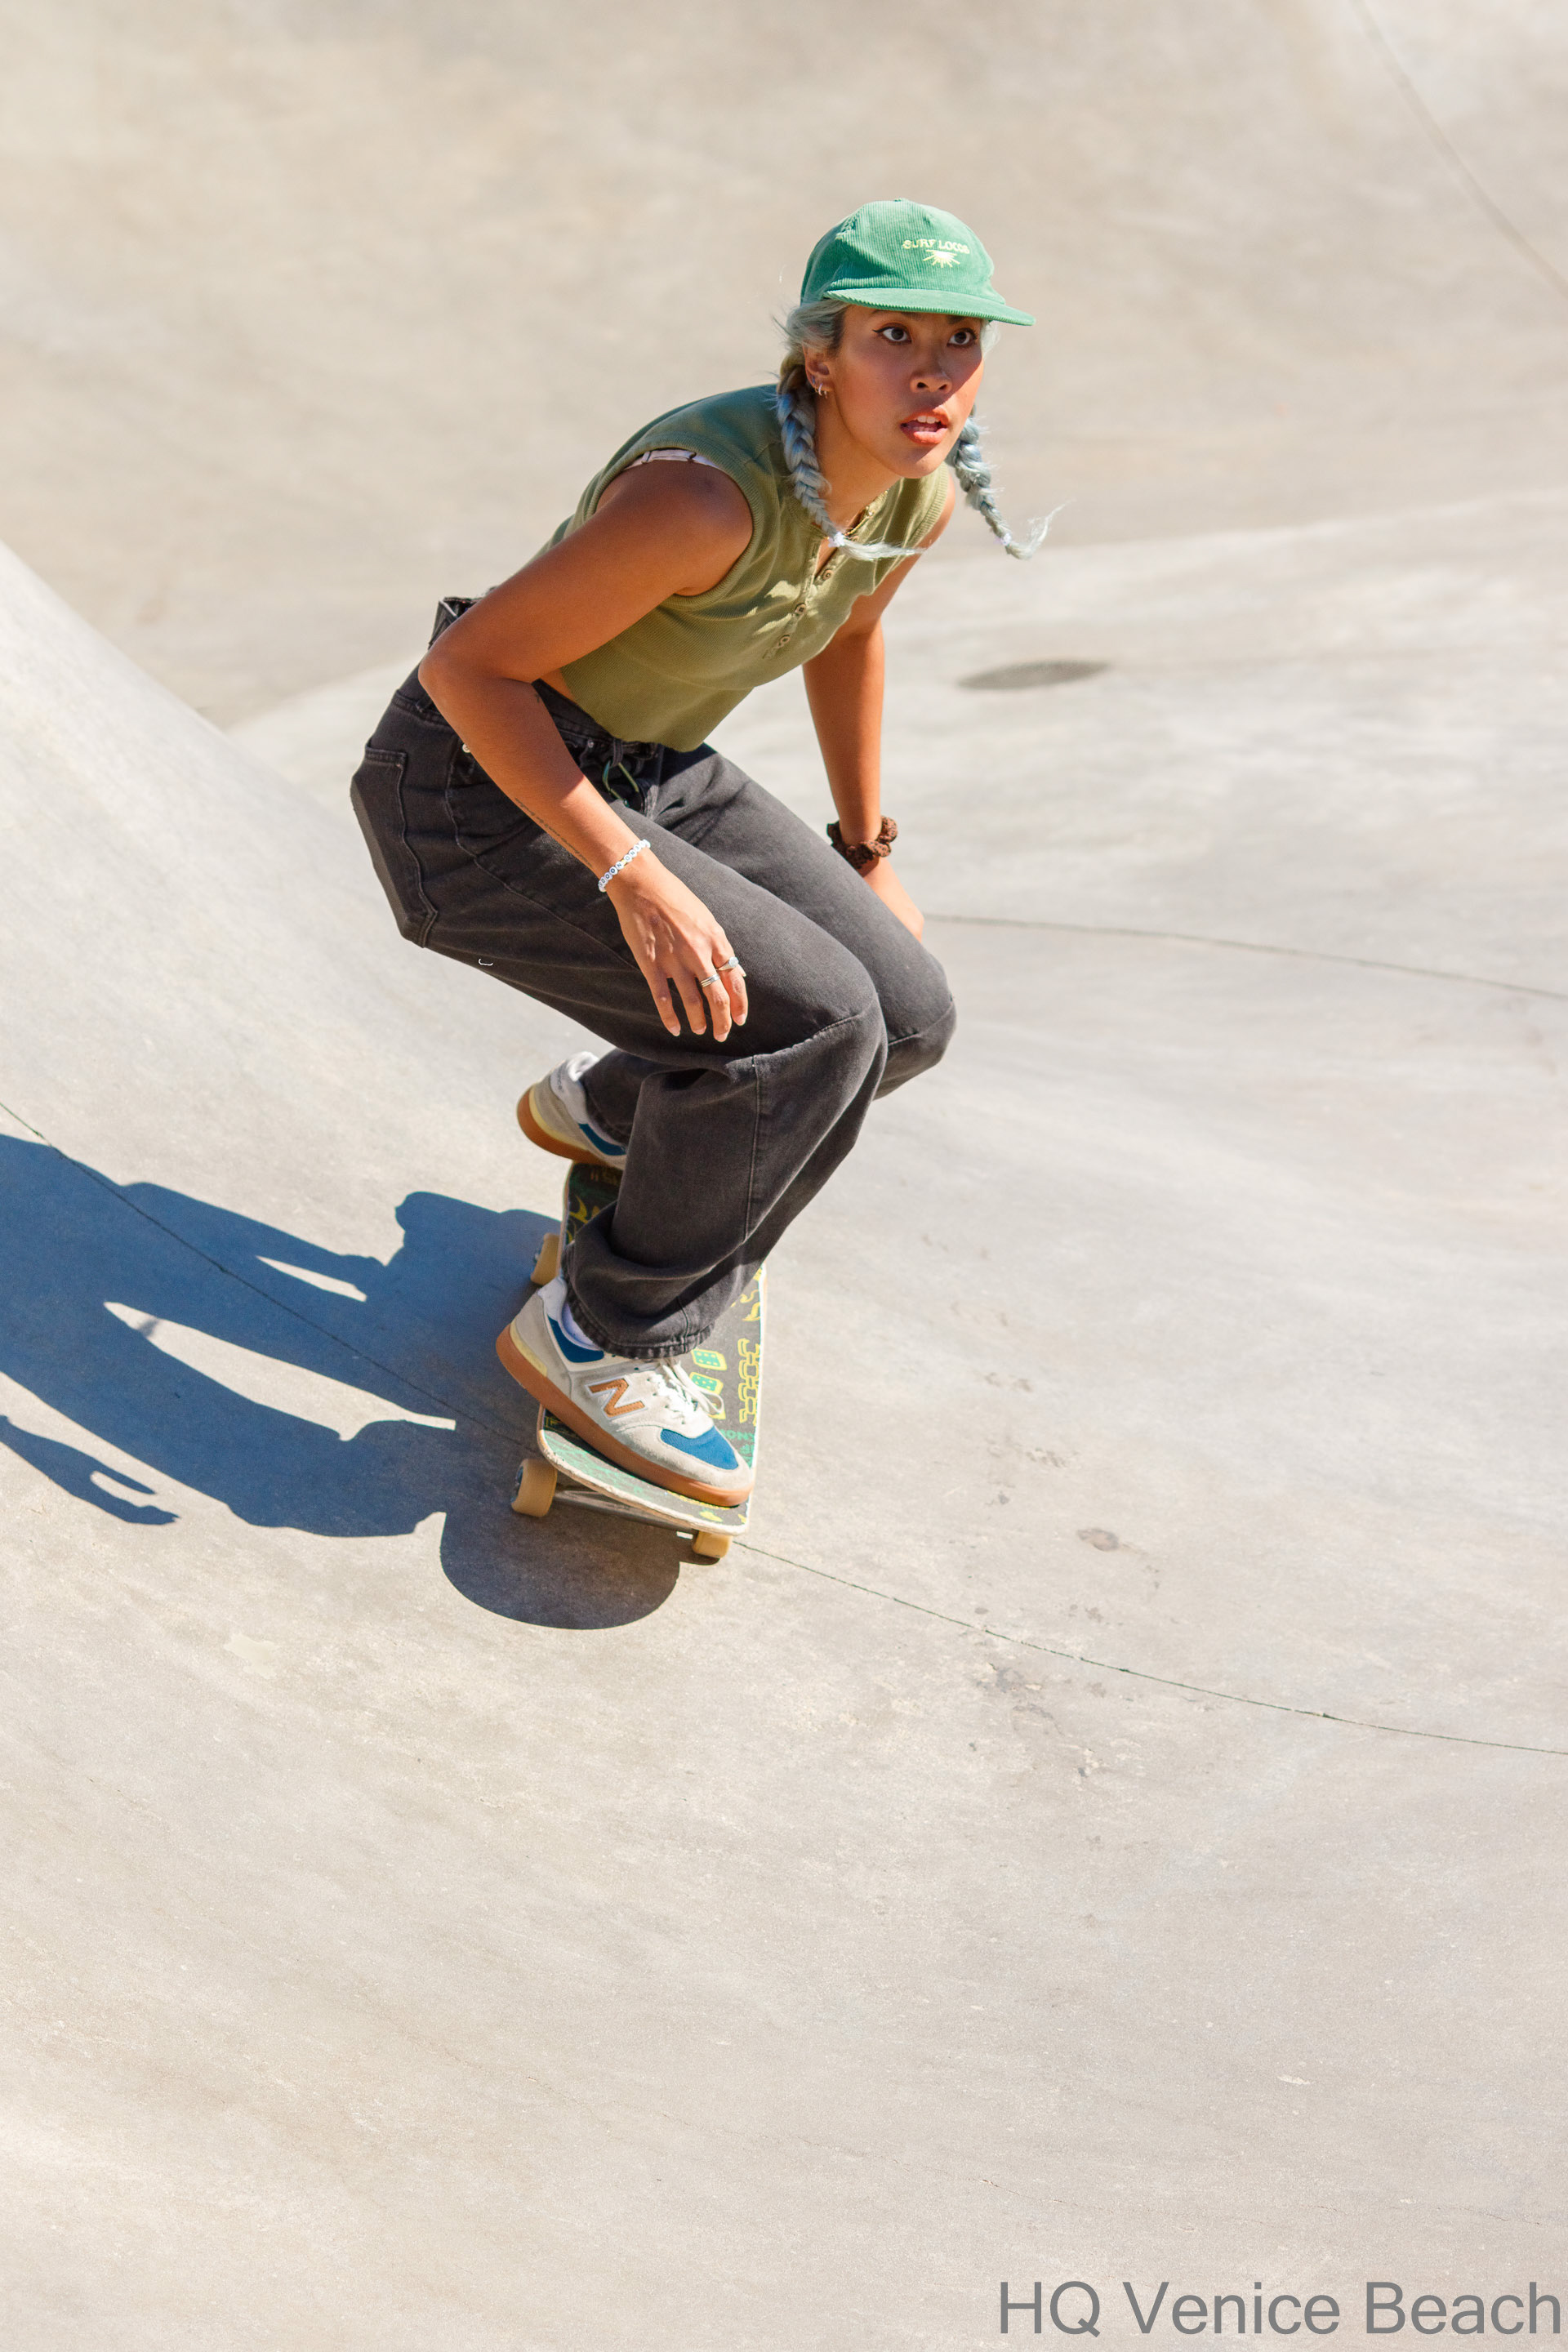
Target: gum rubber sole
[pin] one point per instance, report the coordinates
(538, 1384)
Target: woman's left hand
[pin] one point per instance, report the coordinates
(881, 878)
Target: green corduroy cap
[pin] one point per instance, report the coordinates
(898, 255)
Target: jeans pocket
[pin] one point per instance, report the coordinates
(486, 821)
(376, 795)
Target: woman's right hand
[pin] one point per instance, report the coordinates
(675, 940)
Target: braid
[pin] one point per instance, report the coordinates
(975, 480)
(797, 424)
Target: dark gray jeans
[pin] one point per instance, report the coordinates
(726, 1143)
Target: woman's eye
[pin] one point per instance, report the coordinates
(895, 334)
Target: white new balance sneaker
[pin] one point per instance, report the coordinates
(647, 1418)
(553, 1114)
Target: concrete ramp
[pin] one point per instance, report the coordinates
(203, 994)
(1091, 1832)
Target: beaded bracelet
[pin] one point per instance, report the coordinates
(635, 851)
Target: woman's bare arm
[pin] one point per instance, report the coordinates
(844, 686)
(659, 531)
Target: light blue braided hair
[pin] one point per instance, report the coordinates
(819, 327)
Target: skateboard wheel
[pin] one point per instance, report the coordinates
(709, 1546)
(547, 1264)
(535, 1488)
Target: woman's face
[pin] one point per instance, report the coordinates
(903, 382)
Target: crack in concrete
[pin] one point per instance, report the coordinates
(1253, 946)
(1142, 1673)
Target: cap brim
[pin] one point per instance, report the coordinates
(941, 301)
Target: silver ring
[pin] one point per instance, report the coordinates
(708, 979)
(731, 963)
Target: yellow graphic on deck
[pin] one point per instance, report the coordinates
(748, 1377)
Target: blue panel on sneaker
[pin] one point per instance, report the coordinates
(570, 1351)
(716, 1451)
(602, 1143)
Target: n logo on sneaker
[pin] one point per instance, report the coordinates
(614, 1390)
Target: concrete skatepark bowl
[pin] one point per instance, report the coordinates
(1105, 1822)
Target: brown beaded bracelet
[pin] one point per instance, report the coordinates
(863, 855)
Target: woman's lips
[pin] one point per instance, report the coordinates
(928, 426)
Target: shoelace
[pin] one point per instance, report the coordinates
(676, 1391)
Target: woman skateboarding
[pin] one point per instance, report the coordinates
(541, 801)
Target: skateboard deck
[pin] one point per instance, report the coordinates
(728, 1370)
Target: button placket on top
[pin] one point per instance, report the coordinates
(811, 587)
(797, 614)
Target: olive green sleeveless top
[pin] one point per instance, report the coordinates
(675, 674)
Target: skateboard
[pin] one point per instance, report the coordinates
(728, 1371)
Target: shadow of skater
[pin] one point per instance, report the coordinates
(78, 1472)
(185, 1376)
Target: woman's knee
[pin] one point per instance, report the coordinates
(810, 994)
(921, 1048)
(859, 1041)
